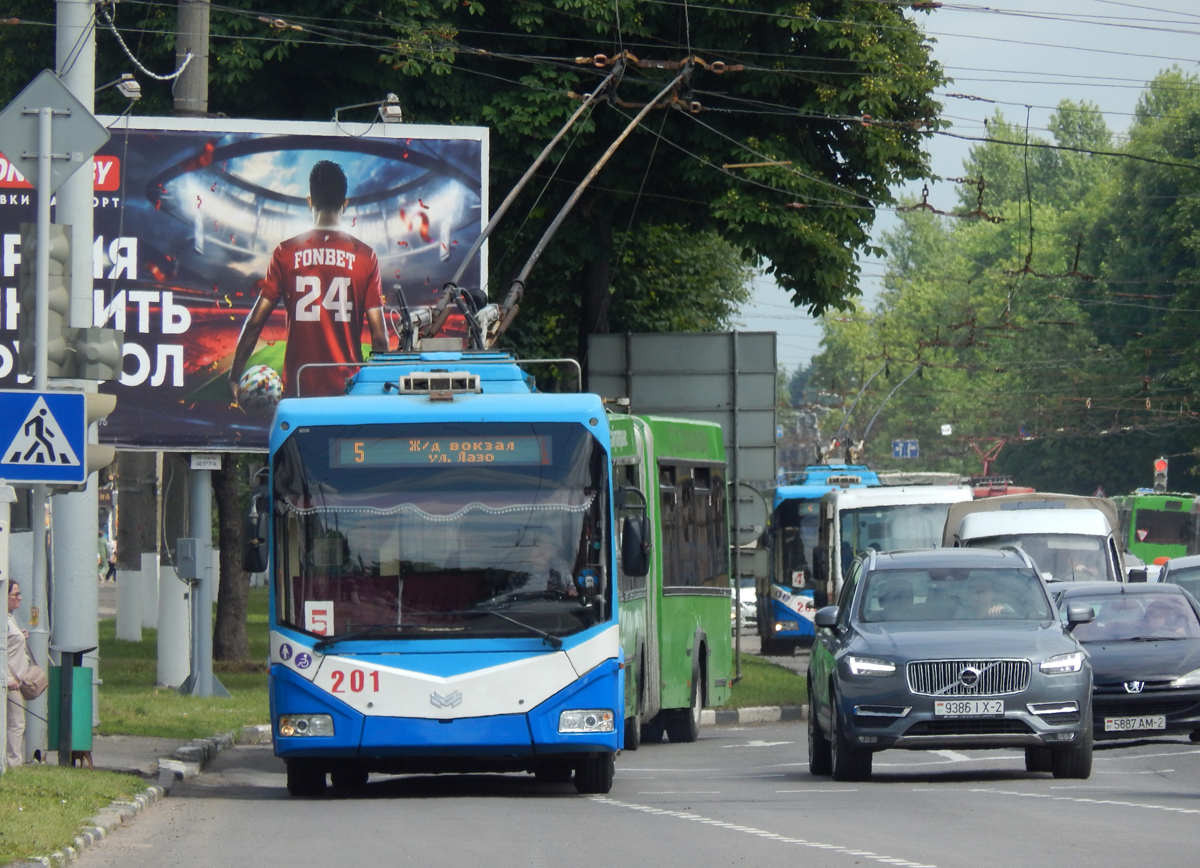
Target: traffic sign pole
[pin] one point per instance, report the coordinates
(42, 314)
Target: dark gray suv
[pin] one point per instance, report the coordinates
(948, 648)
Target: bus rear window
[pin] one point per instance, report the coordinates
(1161, 527)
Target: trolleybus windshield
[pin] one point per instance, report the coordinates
(891, 528)
(431, 530)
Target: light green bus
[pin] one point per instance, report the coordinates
(675, 623)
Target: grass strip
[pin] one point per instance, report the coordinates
(767, 683)
(131, 704)
(43, 807)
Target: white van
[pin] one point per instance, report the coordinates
(1070, 538)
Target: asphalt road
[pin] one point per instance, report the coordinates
(739, 796)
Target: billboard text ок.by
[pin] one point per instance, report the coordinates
(187, 216)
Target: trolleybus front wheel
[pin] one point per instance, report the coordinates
(305, 778)
(594, 775)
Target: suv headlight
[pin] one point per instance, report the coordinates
(1062, 663)
(872, 666)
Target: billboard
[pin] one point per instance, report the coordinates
(189, 215)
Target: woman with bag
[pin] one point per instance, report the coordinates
(18, 663)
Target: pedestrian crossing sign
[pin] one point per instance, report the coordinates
(44, 437)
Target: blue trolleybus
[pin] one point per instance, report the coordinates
(442, 550)
(784, 597)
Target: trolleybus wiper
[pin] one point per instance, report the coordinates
(551, 640)
(329, 641)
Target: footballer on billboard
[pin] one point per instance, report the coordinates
(232, 253)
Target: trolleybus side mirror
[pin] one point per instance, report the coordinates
(255, 531)
(1136, 575)
(635, 545)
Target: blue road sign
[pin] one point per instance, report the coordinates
(44, 437)
(906, 449)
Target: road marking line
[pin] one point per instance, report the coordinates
(1146, 755)
(817, 791)
(1091, 801)
(1158, 772)
(680, 793)
(708, 821)
(952, 755)
(758, 744)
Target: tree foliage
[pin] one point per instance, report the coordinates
(836, 95)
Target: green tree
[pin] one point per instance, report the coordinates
(977, 310)
(835, 94)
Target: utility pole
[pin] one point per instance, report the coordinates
(76, 597)
(191, 35)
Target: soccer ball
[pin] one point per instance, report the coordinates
(259, 389)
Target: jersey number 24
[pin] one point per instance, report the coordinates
(337, 299)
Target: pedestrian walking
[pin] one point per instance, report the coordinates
(18, 662)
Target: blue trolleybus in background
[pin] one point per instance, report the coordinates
(785, 597)
(442, 551)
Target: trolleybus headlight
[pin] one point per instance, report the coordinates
(590, 720)
(305, 724)
(790, 626)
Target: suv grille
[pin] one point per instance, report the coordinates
(983, 677)
(998, 726)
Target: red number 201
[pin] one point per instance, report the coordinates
(358, 681)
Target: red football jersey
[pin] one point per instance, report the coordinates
(328, 281)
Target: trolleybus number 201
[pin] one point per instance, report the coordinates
(357, 682)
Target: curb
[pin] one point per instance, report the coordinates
(759, 714)
(187, 761)
(97, 828)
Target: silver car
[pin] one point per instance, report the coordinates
(948, 648)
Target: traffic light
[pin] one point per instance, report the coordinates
(60, 350)
(98, 406)
(1160, 475)
(98, 354)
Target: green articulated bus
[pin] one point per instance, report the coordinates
(1159, 525)
(675, 627)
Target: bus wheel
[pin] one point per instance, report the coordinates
(684, 725)
(305, 778)
(349, 776)
(652, 732)
(553, 773)
(594, 775)
(633, 732)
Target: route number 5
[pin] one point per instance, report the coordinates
(337, 299)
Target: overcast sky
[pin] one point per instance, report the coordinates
(1015, 54)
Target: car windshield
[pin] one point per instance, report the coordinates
(954, 595)
(1130, 617)
(1060, 557)
(1187, 578)
(441, 531)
